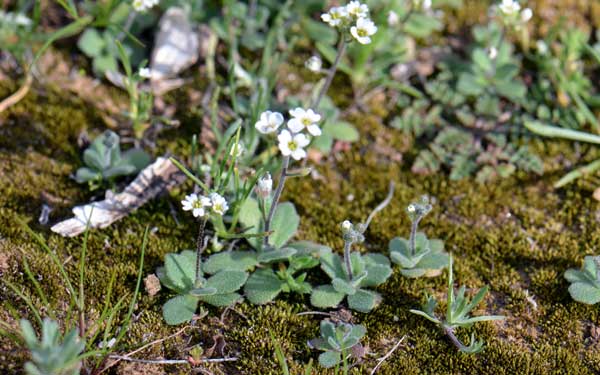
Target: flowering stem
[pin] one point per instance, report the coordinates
(347, 246)
(199, 249)
(278, 190)
(331, 72)
(413, 234)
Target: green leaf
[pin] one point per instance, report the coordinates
(91, 43)
(230, 260)
(284, 225)
(342, 131)
(180, 269)
(343, 286)
(226, 281)
(325, 296)
(469, 84)
(222, 300)
(482, 59)
(276, 255)
(251, 217)
(86, 174)
(263, 286)
(200, 292)
(179, 309)
(136, 157)
(585, 293)
(104, 63)
(364, 300)
(329, 359)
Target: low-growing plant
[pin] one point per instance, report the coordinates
(182, 274)
(585, 283)
(418, 256)
(104, 161)
(353, 273)
(337, 342)
(52, 354)
(457, 310)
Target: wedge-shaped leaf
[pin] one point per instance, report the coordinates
(227, 281)
(331, 264)
(585, 293)
(262, 286)
(364, 300)
(329, 358)
(118, 170)
(378, 270)
(412, 272)
(230, 260)
(319, 343)
(179, 309)
(573, 276)
(436, 246)
(434, 261)
(325, 296)
(222, 300)
(85, 174)
(284, 225)
(343, 286)
(136, 157)
(327, 328)
(426, 316)
(309, 248)
(276, 255)
(406, 261)
(251, 217)
(180, 269)
(357, 263)
(200, 292)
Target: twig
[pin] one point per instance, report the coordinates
(387, 355)
(280, 184)
(172, 361)
(313, 313)
(142, 348)
(17, 95)
(381, 205)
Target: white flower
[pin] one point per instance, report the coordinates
(411, 208)
(357, 10)
(314, 64)
(264, 186)
(493, 53)
(107, 344)
(145, 73)
(542, 47)
(269, 122)
(293, 146)
(304, 119)
(526, 15)
(144, 5)
(363, 30)
(422, 4)
(237, 151)
(196, 204)
(219, 204)
(346, 226)
(393, 18)
(509, 7)
(335, 16)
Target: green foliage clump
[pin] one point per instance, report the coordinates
(458, 308)
(104, 161)
(418, 255)
(52, 355)
(179, 274)
(585, 284)
(336, 342)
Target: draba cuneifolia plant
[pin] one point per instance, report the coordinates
(183, 274)
(104, 161)
(352, 273)
(418, 256)
(457, 310)
(336, 342)
(53, 354)
(585, 283)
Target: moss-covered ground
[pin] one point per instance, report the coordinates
(517, 235)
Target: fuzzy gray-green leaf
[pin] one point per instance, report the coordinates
(179, 309)
(262, 287)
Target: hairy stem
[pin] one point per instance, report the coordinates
(278, 190)
(413, 234)
(347, 246)
(450, 333)
(199, 249)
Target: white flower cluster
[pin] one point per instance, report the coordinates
(201, 206)
(422, 4)
(511, 13)
(18, 19)
(291, 140)
(144, 5)
(355, 16)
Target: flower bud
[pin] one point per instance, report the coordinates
(346, 226)
(264, 186)
(314, 64)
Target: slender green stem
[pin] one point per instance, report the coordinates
(450, 333)
(330, 73)
(278, 191)
(344, 362)
(199, 249)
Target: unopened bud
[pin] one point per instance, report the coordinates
(314, 64)
(346, 226)
(264, 186)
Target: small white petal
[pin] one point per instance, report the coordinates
(295, 125)
(314, 130)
